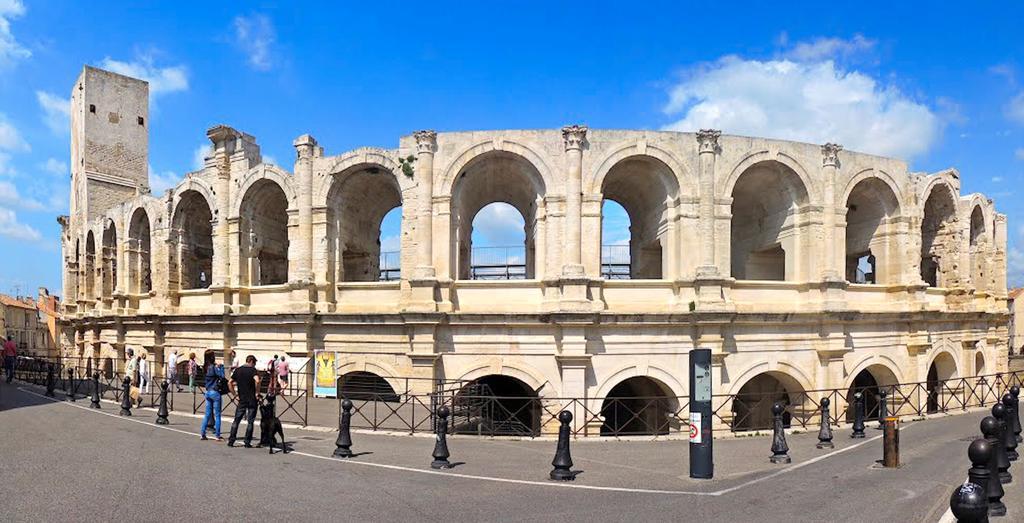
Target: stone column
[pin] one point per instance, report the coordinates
(575, 137)
(707, 149)
(224, 145)
(305, 150)
(829, 170)
(426, 144)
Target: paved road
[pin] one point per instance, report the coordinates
(61, 460)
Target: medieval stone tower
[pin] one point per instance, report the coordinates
(109, 142)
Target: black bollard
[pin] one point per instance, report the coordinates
(825, 432)
(999, 413)
(441, 442)
(1015, 392)
(95, 401)
(50, 381)
(161, 413)
(780, 450)
(126, 397)
(563, 460)
(71, 384)
(1009, 438)
(969, 502)
(858, 416)
(883, 408)
(989, 428)
(344, 442)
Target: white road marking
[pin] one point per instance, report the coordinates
(495, 479)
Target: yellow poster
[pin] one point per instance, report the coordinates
(326, 375)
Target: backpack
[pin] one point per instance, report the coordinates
(222, 384)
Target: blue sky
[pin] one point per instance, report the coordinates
(939, 86)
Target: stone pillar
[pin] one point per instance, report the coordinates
(426, 144)
(305, 150)
(575, 137)
(829, 169)
(223, 139)
(707, 149)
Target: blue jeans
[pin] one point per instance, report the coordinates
(213, 401)
(9, 362)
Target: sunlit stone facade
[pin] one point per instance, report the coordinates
(805, 263)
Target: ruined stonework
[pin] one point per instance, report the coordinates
(807, 264)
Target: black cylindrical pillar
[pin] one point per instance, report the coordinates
(441, 454)
(562, 463)
(990, 428)
(825, 429)
(126, 397)
(969, 502)
(999, 413)
(344, 442)
(95, 401)
(780, 450)
(161, 413)
(858, 415)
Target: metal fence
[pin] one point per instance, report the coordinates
(498, 263)
(397, 407)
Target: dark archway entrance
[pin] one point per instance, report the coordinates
(367, 386)
(942, 368)
(751, 407)
(637, 406)
(497, 405)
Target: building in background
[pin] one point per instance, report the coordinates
(33, 325)
(49, 322)
(1016, 305)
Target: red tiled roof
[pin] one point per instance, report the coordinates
(14, 302)
(1016, 292)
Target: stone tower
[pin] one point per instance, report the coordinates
(109, 142)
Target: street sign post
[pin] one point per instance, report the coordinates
(702, 464)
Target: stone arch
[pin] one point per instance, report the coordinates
(89, 269)
(768, 234)
(109, 258)
(522, 372)
(682, 175)
(366, 386)
(639, 405)
(979, 363)
(874, 373)
(884, 366)
(383, 370)
(263, 233)
(490, 177)
(673, 385)
(191, 241)
(939, 235)
(978, 247)
(943, 367)
(648, 189)
(499, 404)
(139, 252)
(755, 157)
(872, 232)
(344, 163)
(872, 173)
(200, 187)
(470, 154)
(757, 391)
(255, 176)
(357, 201)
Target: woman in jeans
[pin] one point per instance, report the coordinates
(213, 373)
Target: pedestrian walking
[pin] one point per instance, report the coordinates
(192, 367)
(213, 374)
(145, 377)
(272, 384)
(172, 371)
(10, 357)
(131, 367)
(282, 374)
(245, 383)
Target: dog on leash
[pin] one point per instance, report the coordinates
(270, 425)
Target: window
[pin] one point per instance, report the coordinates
(142, 121)
(92, 108)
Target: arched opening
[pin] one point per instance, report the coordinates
(638, 406)
(497, 405)
(751, 407)
(263, 234)
(978, 248)
(499, 244)
(765, 229)
(938, 238)
(870, 233)
(367, 386)
(979, 364)
(943, 368)
(140, 279)
(109, 260)
(73, 274)
(191, 238)
(359, 201)
(644, 188)
(868, 382)
(496, 176)
(615, 237)
(89, 271)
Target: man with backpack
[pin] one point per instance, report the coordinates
(245, 382)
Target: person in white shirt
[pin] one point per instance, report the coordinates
(144, 377)
(172, 371)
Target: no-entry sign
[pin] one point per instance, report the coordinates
(695, 427)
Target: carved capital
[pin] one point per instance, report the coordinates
(830, 154)
(305, 147)
(426, 141)
(707, 140)
(574, 136)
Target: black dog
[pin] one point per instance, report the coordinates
(270, 425)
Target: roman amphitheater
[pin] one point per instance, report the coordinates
(803, 267)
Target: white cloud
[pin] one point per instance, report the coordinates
(255, 36)
(270, 159)
(390, 243)
(498, 224)
(11, 197)
(160, 182)
(56, 112)
(10, 50)
(1019, 153)
(822, 48)
(1015, 268)
(997, 179)
(55, 167)
(10, 138)
(161, 79)
(814, 102)
(1015, 109)
(200, 154)
(10, 227)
